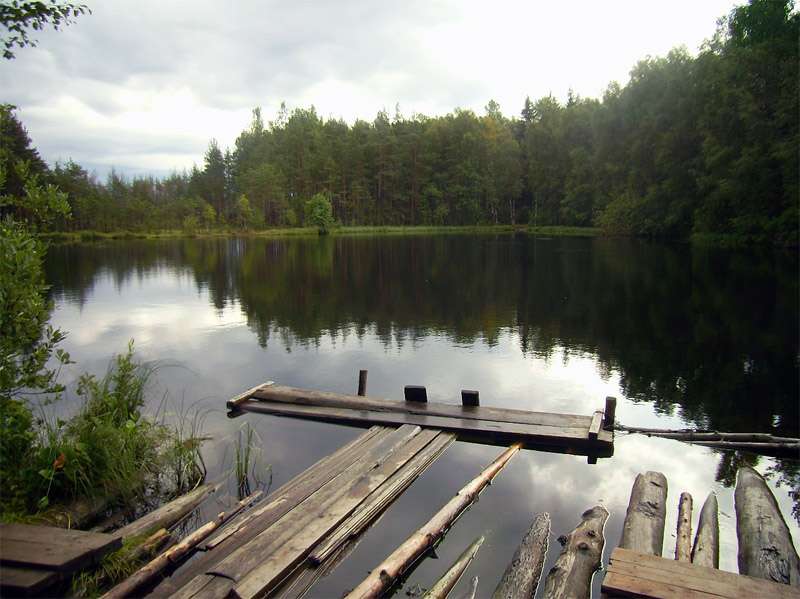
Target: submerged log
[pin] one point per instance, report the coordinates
(384, 575)
(643, 529)
(446, 583)
(571, 576)
(765, 543)
(472, 589)
(169, 514)
(521, 578)
(706, 544)
(683, 543)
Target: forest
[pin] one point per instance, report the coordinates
(691, 146)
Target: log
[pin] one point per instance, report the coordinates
(706, 544)
(234, 403)
(521, 578)
(571, 576)
(472, 589)
(169, 514)
(426, 537)
(446, 583)
(683, 542)
(765, 543)
(176, 553)
(643, 529)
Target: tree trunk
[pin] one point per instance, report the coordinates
(643, 529)
(571, 576)
(521, 578)
(683, 543)
(706, 543)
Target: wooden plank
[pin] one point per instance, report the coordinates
(26, 582)
(618, 584)
(245, 528)
(766, 549)
(685, 579)
(595, 425)
(263, 562)
(51, 548)
(643, 528)
(572, 439)
(278, 393)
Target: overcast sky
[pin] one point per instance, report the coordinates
(144, 85)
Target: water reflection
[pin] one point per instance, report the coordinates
(681, 335)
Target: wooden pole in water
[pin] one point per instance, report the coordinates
(765, 543)
(521, 578)
(706, 543)
(683, 543)
(643, 529)
(571, 576)
(610, 413)
(384, 575)
(362, 382)
(446, 583)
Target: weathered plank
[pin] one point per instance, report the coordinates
(643, 528)
(554, 438)
(426, 537)
(571, 576)
(521, 578)
(683, 540)
(51, 548)
(632, 574)
(765, 543)
(706, 544)
(26, 582)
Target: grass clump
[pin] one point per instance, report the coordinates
(108, 448)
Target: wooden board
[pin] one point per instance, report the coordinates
(51, 548)
(632, 574)
(26, 582)
(537, 430)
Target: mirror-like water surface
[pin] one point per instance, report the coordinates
(682, 336)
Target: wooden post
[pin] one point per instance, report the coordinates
(595, 425)
(765, 543)
(611, 411)
(571, 576)
(384, 575)
(470, 398)
(683, 543)
(416, 393)
(362, 382)
(643, 529)
(521, 578)
(706, 543)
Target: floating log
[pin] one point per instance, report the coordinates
(765, 543)
(162, 562)
(170, 513)
(78, 514)
(446, 583)
(760, 443)
(571, 576)
(683, 542)
(234, 403)
(521, 578)
(472, 589)
(643, 529)
(706, 544)
(426, 537)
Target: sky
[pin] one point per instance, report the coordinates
(142, 86)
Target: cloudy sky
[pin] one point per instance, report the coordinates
(144, 85)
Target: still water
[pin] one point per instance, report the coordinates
(682, 336)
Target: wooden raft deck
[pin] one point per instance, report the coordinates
(282, 545)
(565, 433)
(34, 558)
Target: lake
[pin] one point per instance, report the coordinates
(682, 336)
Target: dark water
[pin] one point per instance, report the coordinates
(682, 336)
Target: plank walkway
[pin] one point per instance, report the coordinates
(565, 433)
(284, 543)
(34, 558)
(633, 574)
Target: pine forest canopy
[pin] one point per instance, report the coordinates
(690, 145)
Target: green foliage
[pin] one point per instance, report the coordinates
(191, 224)
(18, 17)
(318, 214)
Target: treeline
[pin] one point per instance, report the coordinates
(691, 145)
